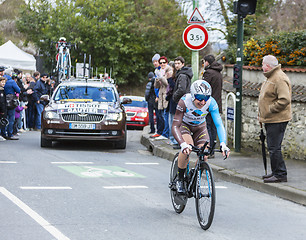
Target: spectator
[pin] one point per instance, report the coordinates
(12, 88)
(172, 105)
(159, 116)
(2, 71)
(161, 83)
(182, 79)
(3, 108)
(274, 110)
(150, 98)
(213, 76)
(30, 111)
(42, 87)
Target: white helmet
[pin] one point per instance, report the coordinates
(200, 90)
(62, 39)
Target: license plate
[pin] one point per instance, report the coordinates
(82, 126)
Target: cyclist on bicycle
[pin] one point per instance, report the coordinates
(189, 125)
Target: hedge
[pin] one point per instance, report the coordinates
(288, 47)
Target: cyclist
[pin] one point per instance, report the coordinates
(189, 125)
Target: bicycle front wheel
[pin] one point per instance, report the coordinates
(205, 196)
(178, 201)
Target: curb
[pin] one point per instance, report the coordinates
(162, 150)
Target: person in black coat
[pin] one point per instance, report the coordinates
(42, 87)
(150, 98)
(213, 76)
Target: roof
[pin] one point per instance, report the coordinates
(252, 89)
(89, 82)
(285, 69)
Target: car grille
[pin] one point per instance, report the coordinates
(76, 117)
(130, 114)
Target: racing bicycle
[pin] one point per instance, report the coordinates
(63, 58)
(199, 183)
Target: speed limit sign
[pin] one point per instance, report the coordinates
(195, 37)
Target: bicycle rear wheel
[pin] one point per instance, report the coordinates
(205, 196)
(178, 201)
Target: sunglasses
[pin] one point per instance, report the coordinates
(162, 62)
(201, 97)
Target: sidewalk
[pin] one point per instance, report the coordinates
(242, 169)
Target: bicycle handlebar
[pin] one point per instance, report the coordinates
(207, 150)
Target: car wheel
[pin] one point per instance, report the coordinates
(45, 142)
(122, 143)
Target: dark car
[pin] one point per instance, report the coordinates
(84, 110)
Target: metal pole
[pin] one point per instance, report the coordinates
(195, 54)
(239, 61)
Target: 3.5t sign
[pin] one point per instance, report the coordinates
(195, 37)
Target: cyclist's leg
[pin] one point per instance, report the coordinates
(183, 160)
(200, 137)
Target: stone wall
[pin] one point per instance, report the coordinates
(294, 144)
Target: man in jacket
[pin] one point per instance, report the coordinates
(42, 87)
(183, 78)
(150, 98)
(213, 76)
(274, 110)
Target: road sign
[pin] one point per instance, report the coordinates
(196, 17)
(195, 37)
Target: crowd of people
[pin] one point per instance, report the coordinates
(171, 81)
(20, 104)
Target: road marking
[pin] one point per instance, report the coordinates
(35, 216)
(101, 171)
(7, 162)
(220, 187)
(124, 187)
(45, 188)
(72, 162)
(145, 163)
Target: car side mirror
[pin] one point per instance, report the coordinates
(45, 98)
(126, 100)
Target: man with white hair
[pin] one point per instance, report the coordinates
(274, 110)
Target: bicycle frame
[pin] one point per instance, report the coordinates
(63, 65)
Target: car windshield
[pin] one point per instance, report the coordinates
(95, 94)
(137, 103)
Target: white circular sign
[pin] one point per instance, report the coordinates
(195, 37)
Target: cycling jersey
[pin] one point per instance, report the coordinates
(189, 119)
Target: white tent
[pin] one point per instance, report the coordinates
(12, 56)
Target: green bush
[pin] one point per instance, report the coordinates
(288, 47)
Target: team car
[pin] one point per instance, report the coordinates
(84, 110)
(136, 112)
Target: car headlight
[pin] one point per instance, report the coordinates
(114, 116)
(142, 114)
(51, 115)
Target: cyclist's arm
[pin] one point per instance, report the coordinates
(177, 121)
(214, 111)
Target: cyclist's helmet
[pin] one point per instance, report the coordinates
(62, 39)
(200, 90)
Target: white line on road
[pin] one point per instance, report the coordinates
(45, 188)
(8, 162)
(72, 162)
(124, 187)
(144, 163)
(40, 220)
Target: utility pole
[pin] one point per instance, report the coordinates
(239, 63)
(242, 8)
(195, 54)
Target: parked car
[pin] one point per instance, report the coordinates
(136, 112)
(84, 110)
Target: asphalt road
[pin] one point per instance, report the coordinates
(89, 191)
